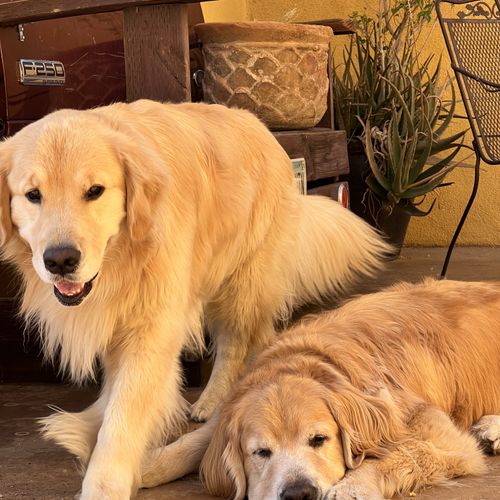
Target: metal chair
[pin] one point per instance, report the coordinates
(471, 30)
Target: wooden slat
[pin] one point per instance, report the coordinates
(156, 42)
(324, 150)
(24, 11)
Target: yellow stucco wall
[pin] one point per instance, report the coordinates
(483, 223)
(225, 11)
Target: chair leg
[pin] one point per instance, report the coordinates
(464, 215)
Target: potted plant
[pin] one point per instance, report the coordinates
(389, 99)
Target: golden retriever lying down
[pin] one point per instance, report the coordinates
(385, 387)
(146, 217)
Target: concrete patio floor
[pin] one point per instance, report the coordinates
(31, 468)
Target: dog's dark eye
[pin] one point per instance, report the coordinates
(94, 192)
(263, 452)
(34, 196)
(318, 440)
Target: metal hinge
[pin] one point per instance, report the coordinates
(20, 32)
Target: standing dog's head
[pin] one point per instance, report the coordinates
(67, 184)
(294, 438)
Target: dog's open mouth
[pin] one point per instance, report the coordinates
(69, 293)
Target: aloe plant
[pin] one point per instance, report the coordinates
(388, 96)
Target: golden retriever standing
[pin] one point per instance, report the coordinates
(387, 387)
(145, 218)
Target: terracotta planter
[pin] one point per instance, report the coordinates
(278, 71)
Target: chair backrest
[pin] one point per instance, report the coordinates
(471, 29)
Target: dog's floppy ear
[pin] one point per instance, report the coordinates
(145, 181)
(222, 469)
(5, 220)
(370, 424)
(351, 462)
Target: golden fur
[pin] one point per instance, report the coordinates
(390, 384)
(199, 219)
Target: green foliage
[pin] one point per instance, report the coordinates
(388, 96)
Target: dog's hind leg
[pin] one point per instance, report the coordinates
(487, 431)
(233, 352)
(229, 358)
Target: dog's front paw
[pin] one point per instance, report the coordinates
(203, 409)
(350, 491)
(487, 431)
(108, 480)
(105, 490)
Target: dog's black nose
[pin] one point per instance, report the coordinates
(61, 260)
(302, 489)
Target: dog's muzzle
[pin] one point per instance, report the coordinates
(69, 293)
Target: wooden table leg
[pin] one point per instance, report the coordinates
(156, 41)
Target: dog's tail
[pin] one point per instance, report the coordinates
(332, 247)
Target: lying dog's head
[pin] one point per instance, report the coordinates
(67, 183)
(294, 438)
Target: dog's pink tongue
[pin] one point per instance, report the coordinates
(69, 288)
